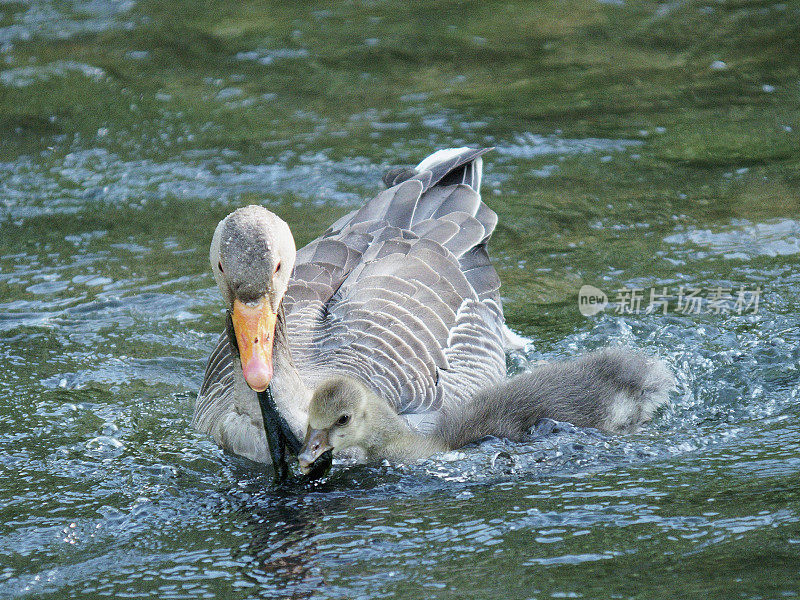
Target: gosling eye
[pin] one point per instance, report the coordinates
(219, 266)
(343, 420)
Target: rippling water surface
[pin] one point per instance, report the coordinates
(638, 146)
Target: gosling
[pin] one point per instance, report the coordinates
(614, 390)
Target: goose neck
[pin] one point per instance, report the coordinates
(290, 393)
(394, 439)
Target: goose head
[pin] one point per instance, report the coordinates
(252, 257)
(338, 418)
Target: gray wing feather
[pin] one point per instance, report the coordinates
(440, 231)
(487, 218)
(216, 394)
(469, 229)
(475, 351)
(478, 269)
(225, 407)
(461, 199)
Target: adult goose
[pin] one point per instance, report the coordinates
(399, 295)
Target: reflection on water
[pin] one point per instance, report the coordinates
(528, 145)
(625, 155)
(61, 20)
(97, 176)
(743, 240)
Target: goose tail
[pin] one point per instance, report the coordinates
(444, 167)
(615, 390)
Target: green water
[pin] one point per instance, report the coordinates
(637, 144)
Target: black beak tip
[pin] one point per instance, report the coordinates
(321, 466)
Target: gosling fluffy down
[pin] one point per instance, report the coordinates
(615, 390)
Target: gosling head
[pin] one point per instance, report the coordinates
(252, 257)
(337, 419)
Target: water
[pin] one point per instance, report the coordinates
(639, 145)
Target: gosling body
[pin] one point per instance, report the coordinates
(614, 390)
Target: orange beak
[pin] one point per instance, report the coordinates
(255, 333)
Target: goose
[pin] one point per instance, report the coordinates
(399, 295)
(615, 390)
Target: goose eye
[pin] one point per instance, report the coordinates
(277, 268)
(219, 266)
(343, 420)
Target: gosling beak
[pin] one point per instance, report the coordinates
(255, 332)
(316, 445)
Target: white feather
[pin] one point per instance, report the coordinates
(440, 156)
